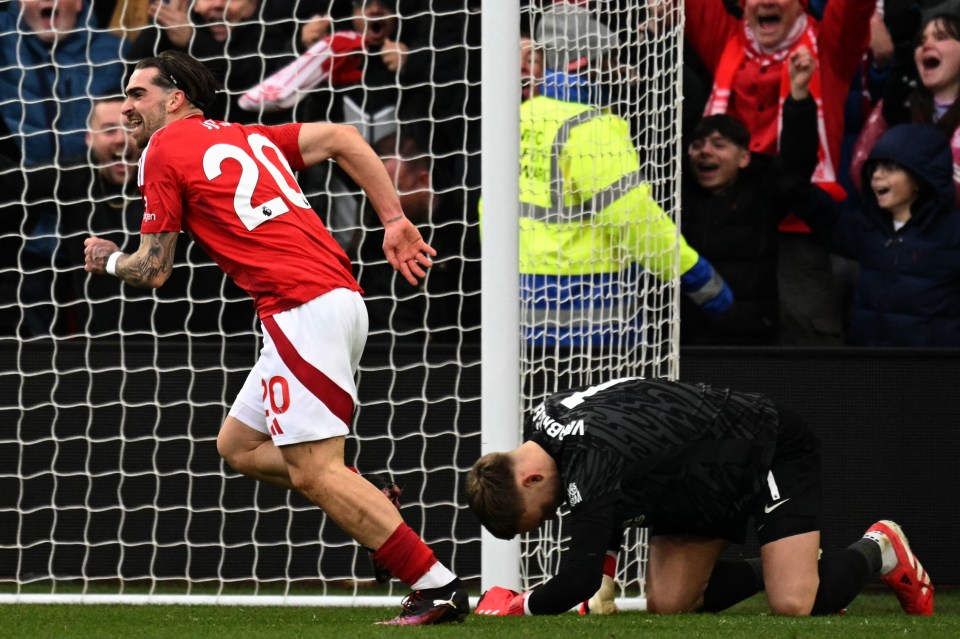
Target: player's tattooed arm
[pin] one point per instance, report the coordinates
(149, 267)
(152, 264)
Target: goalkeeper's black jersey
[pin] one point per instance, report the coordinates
(632, 452)
(662, 452)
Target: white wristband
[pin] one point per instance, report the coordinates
(111, 266)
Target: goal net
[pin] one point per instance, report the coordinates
(111, 397)
(615, 319)
(111, 486)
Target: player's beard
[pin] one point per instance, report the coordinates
(141, 132)
(141, 135)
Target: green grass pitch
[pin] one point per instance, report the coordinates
(873, 615)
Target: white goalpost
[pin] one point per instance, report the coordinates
(500, 383)
(111, 487)
(639, 80)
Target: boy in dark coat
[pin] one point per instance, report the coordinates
(733, 201)
(907, 243)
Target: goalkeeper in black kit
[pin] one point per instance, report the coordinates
(694, 464)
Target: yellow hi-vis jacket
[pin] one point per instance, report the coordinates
(589, 226)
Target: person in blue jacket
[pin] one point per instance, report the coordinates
(907, 242)
(53, 63)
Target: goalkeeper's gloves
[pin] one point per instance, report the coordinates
(601, 603)
(501, 602)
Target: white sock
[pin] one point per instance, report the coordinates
(437, 576)
(888, 556)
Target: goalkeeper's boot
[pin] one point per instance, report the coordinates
(433, 606)
(393, 493)
(901, 571)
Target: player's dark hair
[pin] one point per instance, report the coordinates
(493, 495)
(179, 71)
(726, 125)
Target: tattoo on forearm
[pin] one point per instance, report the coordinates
(153, 263)
(126, 271)
(153, 259)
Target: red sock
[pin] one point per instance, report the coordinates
(405, 555)
(610, 565)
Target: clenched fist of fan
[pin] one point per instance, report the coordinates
(501, 601)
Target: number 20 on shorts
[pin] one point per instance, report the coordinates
(278, 392)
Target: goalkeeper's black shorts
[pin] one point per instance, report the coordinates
(791, 504)
(791, 499)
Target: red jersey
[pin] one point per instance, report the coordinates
(231, 187)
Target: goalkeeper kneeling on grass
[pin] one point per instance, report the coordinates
(693, 464)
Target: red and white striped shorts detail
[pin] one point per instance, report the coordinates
(302, 387)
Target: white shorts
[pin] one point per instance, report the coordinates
(302, 387)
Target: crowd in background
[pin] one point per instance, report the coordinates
(810, 251)
(67, 170)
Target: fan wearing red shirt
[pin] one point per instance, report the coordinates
(232, 188)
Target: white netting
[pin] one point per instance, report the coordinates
(639, 80)
(112, 397)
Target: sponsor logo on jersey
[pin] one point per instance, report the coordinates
(149, 217)
(553, 428)
(573, 494)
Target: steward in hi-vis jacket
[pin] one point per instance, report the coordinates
(589, 227)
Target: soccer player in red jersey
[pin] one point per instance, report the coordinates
(232, 188)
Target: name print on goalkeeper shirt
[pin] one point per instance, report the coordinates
(553, 428)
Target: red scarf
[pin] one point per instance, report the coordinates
(745, 46)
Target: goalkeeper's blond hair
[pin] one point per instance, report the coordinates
(493, 495)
